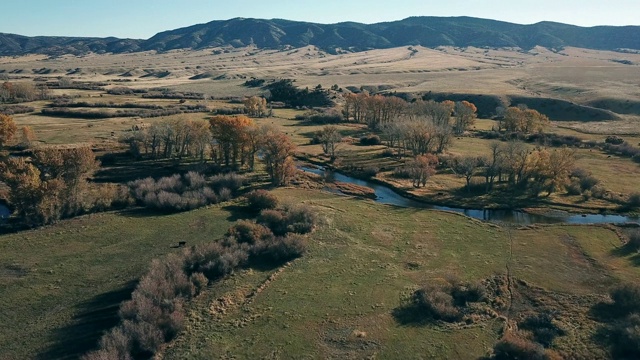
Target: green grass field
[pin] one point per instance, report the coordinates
(61, 285)
(338, 300)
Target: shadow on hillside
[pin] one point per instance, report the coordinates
(627, 251)
(93, 318)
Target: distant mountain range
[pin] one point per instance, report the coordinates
(349, 36)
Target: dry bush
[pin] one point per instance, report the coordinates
(176, 193)
(231, 181)
(517, 347)
(543, 328)
(199, 281)
(626, 298)
(259, 200)
(279, 250)
(370, 140)
(299, 219)
(437, 302)
(245, 231)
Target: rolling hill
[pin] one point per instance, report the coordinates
(348, 36)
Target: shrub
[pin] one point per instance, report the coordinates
(614, 140)
(370, 171)
(176, 193)
(370, 140)
(573, 188)
(199, 281)
(245, 231)
(542, 327)
(588, 182)
(299, 219)
(231, 181)
(259, 200)
(464, 293)
(281, 249)
(626, 297)
(516, 347)
(634, 239)
(436, 301)
(402, 172)
(387, 153)
(634, 200)
(225, 194)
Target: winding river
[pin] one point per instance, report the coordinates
(386, 195)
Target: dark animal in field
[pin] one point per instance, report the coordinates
(182, 243)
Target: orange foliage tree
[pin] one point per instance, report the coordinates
(232, 138)
(278, 149)
(465, 114)
(8, 129)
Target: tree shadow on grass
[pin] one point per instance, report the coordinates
(93, 318)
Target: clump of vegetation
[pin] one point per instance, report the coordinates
(370, 140)
(518, 347)
(623, 328)
(15, 109)
(53, 185)
(231, 181)
(542, 328)
(178, 193)
(259, 200)
(321, 117)
(299, 219)
(445, 301)
(285, 91)
(155, 314)
(634, 200)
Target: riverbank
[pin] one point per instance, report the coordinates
(502, 200)
(385, 194)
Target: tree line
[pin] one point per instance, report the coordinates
(230, 141)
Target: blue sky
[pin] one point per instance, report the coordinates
(144, 18)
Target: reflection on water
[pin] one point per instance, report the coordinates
(386, 195)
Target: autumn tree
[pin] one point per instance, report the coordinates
(255, 106)
(465, 115)
(28, 136)
(50, 187)
(421, 168)
(277, 150)
(329, 138)
(231, 136)
(8, 129)
(523, 120)
(72, 166)
(551, 169)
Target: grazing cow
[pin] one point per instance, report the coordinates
(182, 243)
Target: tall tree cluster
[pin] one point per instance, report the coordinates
(52, 185)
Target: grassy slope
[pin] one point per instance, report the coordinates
(365, 258)
(60, 286)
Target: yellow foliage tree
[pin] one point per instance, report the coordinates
(8, 129)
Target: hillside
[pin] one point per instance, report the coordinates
(350, 36)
